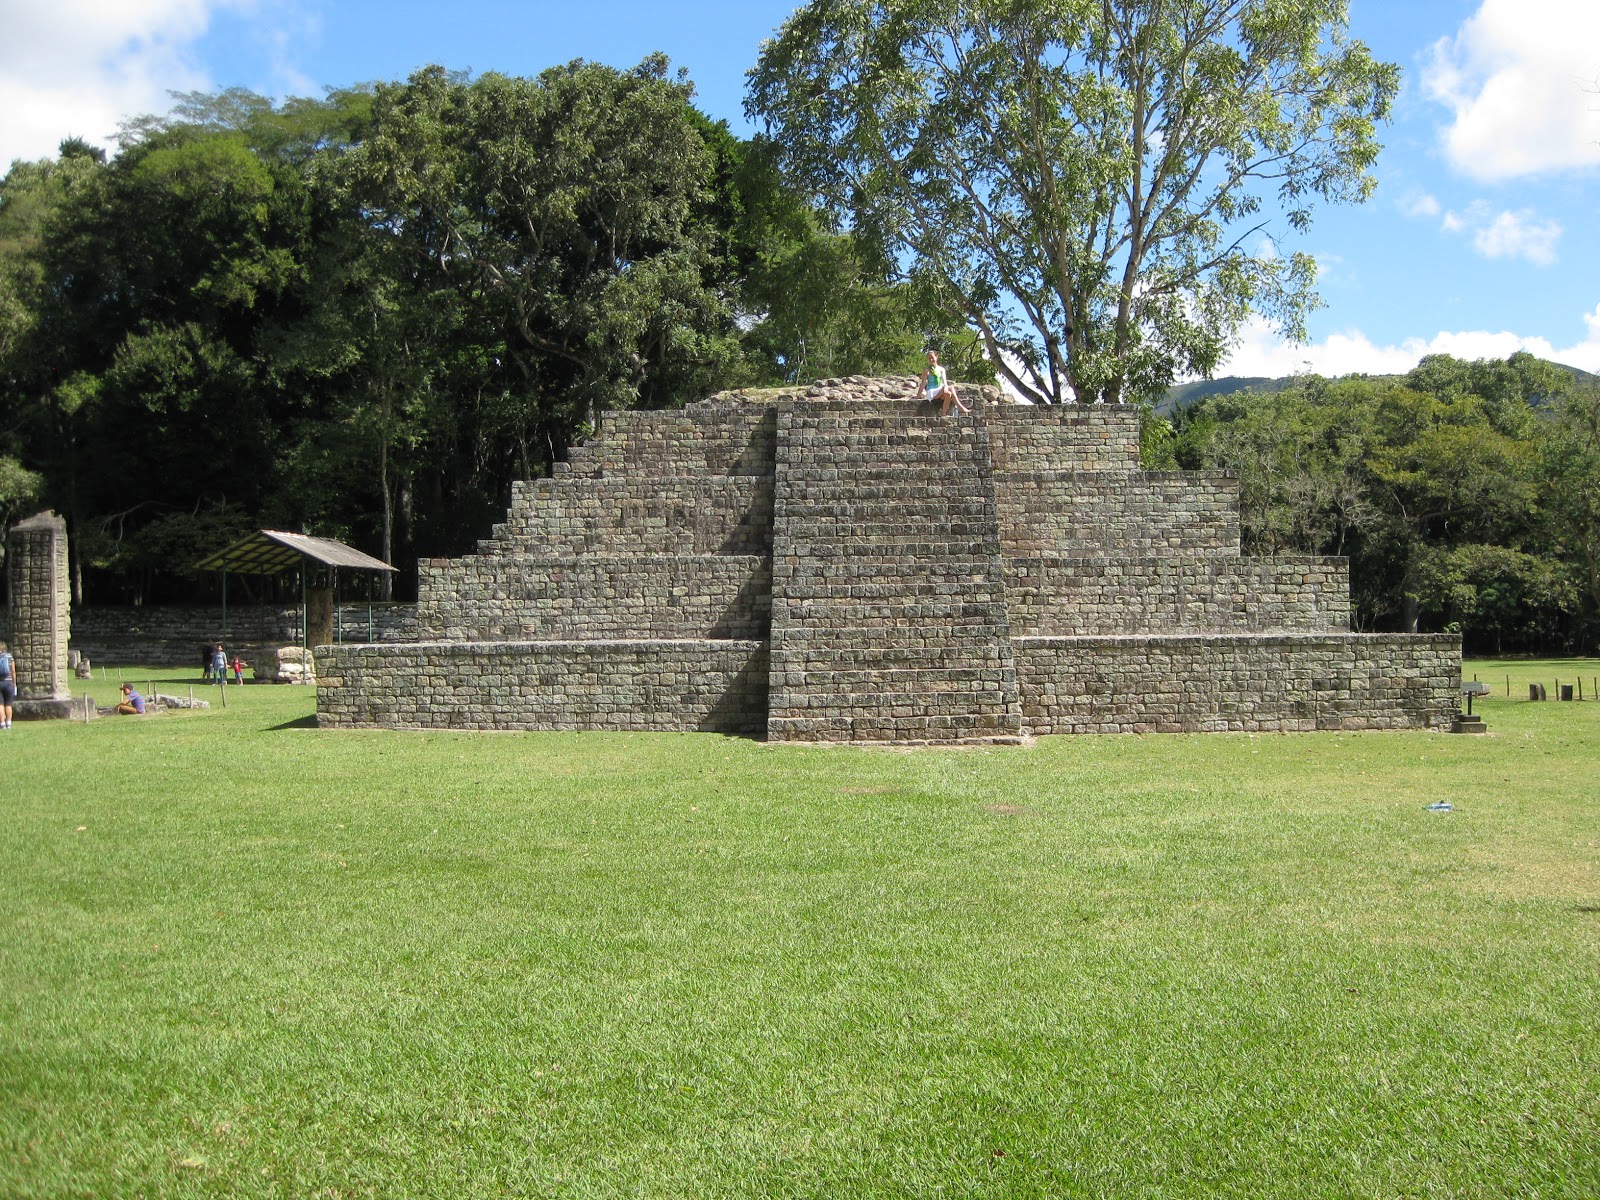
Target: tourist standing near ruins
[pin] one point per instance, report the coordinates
(936, 385)
(8, 685)
(219, 664)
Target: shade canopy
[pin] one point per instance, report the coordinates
(269, 551)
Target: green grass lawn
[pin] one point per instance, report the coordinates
(242, 957)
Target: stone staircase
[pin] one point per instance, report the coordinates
(888, 596)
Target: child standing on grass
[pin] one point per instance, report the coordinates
(239, 665)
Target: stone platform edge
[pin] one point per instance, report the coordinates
(667, 685)
(1137, 683)
(1248, 682)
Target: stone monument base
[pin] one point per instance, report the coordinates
(48, 710)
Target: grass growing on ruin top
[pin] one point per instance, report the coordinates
(243, 957)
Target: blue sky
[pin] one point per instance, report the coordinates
(1483, 237)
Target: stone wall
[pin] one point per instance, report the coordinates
(1056, 596)
(1118, 514)
(566, 517)
(527, 598)
(1096, 437)
(169, 636)
(709, 438)
(1201, 683)
(669, 686)
(839, 563)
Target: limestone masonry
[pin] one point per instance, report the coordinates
(839, 564)
(40, 615)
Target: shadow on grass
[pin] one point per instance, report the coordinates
(309, 722)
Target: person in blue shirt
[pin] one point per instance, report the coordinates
(8, 685)
(132, 703)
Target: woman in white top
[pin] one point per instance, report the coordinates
(936, 385)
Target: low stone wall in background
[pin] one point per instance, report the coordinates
(171, 636)
(667, 686)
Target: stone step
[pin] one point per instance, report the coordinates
(885, 484)
(976, 729)
(850, 445)
(921, 651)
(838, 620)
(884, 532)
(919, 547)
(813, 592)
(847, 616)
(956, 495)
(930, 470)
(809, 593)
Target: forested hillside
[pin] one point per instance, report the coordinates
(1467, 495)
(365, 316)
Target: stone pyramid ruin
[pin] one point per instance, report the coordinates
(840, 564)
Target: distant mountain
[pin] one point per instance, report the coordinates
(1181, 396)
(1582, 376)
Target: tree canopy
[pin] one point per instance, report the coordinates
(365, 315)
(1087, 182)
(1466, 494)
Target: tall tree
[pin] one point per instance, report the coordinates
(1087, 180)
(1570, 479)
(565, 208)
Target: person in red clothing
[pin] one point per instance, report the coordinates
(239, 665)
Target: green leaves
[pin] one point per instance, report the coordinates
(1085, 179)
(1466, 494)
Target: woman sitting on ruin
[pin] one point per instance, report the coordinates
(936, 385)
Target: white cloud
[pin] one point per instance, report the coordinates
(1517, 235)
(1262, 352)
(81, 67)
(1506, 234)
(1419, 204)
(1518, 77)
(78, 67)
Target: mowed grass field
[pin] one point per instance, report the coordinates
(243, 957)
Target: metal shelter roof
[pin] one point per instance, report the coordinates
(270, 551)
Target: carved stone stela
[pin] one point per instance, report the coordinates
(39, 587)
(838, 563)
